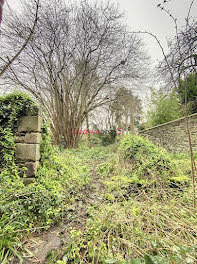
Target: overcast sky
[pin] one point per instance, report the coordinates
(144, 15)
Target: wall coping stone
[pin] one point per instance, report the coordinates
(29, 124)
(34, 111)
(170, 122)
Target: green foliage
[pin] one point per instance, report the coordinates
(37, 206)
(152, 226)
(164, 108)
(144, 228)
(47, 150)
(104, 169)
(135, 231)
(12, 107)
(190, 84)
(107, 138)
(25, 209)
(104, 138)
(87, 141)
(96, 153)
(96, 140)
(150, 165)
(7, 148)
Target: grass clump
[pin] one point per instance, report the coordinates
(94, 153)
(148, 163)
(135, 231)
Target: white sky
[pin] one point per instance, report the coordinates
(144, 15)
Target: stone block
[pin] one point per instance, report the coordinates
(27, 168)
(35, 111)
(19, 139)
(33, 138)
(27, 152)
(29, 124)
(27, 181)
(29, 138)
(32, 168)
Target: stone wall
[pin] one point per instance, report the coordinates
(173, 135)
(27, 138)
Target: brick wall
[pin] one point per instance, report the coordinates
(172, 135)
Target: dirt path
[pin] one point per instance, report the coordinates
(55, 238)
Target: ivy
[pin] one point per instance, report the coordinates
(150, 164)
(12, 106)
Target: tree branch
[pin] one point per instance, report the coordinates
(26, 41)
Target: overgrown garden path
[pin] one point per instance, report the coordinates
(112, 216)
(48, 246)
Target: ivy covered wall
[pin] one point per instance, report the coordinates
(20, 134)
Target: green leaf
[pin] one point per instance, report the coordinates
(110, 261)
(136, 261)
(148, 260)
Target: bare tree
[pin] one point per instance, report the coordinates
(6, 59)
(182, 57)
(1, 10)
(75, 61)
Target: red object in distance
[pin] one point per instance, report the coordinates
(120, 131)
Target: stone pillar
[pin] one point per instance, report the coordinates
(27, 138)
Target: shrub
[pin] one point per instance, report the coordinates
(107, 137)
(149, 164)
(163, 108)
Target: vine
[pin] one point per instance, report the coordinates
(12, 106)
